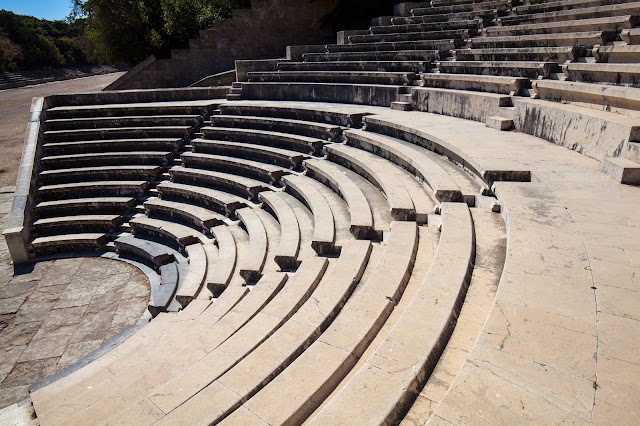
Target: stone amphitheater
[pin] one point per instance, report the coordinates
(432, 221)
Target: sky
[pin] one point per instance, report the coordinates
(43, 9)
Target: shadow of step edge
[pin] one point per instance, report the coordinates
(98, 205)
(196, 276)
(380, 173)
(409, 157)
(195, 402)
(68, 243)
(119, 122)
(197, 216)
(221, 270)
(286, 255)
(275, 139)
(252, 264)
(118, 133)
(214, 199)
(104, 173)
(240, 185)
(359, 210)
(86, 189)
(332, 114)
(135, 109)
(390, 380)
(109, 145)
(77, 224)
(442, 147)
(330, 358)
(268, 173)
(268, 154)
(324, 228)
(283, 125)
(141, 158)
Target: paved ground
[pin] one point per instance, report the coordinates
(15, 105)
(55, 312)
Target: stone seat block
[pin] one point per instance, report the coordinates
(252, 263)
(95, 205)
(162, 295)
(117, 133)
(554, 6)
(485, 16)
(543, 54)
(240, 185)
(617, 54)
(410, 157)
(203, 107)
(362, 77)
(379, 66)
(468, 7)
(288, 141)
(388, 55)
(361, 217)
(77, 224)
(113, 145)
(324, 228)
(157, 158)
(281, 125)
(586, 39)
(267, 154)
(403, 361)
(632, 8)
(417, 36)
(440, 44)
(149, 173)
(131, 121)
(609, 97)
(176, 233)
(220, 271)
(68, 243)
(196, 275)
(268, 173)
(482, 83)
(379, 172)
(619, 74)
(152, 253)
(622, 170)
(85, 189)
(424, 27)
(630, 36)
(328, 114)
(500, 68)
(214, 199)
(195, 215)
(609, 23)
(286, 255)
(366, 94)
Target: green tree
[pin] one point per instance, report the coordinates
(9, 54)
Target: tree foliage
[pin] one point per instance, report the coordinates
(30, 43)
(127, 31)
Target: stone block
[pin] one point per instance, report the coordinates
(499, 123)
(622, 170)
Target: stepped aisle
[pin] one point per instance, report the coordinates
(430, 222)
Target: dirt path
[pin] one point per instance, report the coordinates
(14, 113)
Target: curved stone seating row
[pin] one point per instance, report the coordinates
(281, 125)
(240, 185)
(391, 378)
(86, 189)
(258, 243)
(268, 154)
(62, 124)
(265, 172)
(110, 145)
(198, 217)
(289, 245)
(348, 65)
(289, 141)
(140, 158)
(188, 107)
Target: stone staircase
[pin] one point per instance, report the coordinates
(323, 258)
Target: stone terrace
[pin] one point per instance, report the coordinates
(315, 256)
